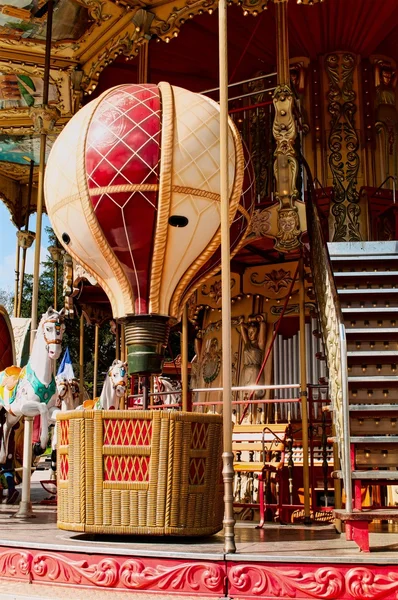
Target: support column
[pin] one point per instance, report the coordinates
(122, 343)
(285, 133)
(17, 260)
(304, 404)
(143, 63)
(44, 119)
(228, 457)
(282, 43)
(81, 359)
(184, 359)
(25, 506)
(25, 240)
(96, 338)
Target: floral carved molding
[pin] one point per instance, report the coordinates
(304, 581)
(131, 574)
(256, 580)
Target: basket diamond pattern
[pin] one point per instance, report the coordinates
(128, 432)
(126, 468)
(200, 433)
(123, 148)
(63, 468)
(197, 467)
(64, 436)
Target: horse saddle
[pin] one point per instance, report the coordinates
(8, 382)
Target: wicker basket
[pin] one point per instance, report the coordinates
(140, 472)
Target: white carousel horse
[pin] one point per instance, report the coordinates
(114, 387)
(28, 391)
(171, 386)
(65, 399)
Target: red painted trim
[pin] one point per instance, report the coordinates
(199, 578)
(249, 581)
(203, 579)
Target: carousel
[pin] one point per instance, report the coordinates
(228, 182)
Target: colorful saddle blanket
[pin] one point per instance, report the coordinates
(11, 377)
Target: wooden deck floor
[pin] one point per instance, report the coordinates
(274, 543)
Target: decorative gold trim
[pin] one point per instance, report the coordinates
(92, 222)
(180, 291)
(165, 193)
(117, 189)
(180, 189)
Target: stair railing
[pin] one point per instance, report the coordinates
(333, 332)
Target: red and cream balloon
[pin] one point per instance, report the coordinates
(132, 189)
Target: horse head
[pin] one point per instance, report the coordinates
(52, 328)
(62, 386)
(74, 385)
(169, 391)
(118, 375)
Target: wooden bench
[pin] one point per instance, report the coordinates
(260, 449)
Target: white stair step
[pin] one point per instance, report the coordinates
(361, 274)
(383, 291)
(374, 439)
(371, 330)
(370, 310)
(361, 250)
(374, 354)
(373, 408)
(376, 379)
(393, 475)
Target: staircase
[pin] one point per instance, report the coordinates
(366, 279)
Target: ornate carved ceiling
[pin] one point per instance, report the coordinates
(95, 40)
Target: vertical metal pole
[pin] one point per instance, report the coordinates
(55, 284)
(122, 343)
(304, 408)
(24, 250)
(96, 337)
(81, 359)
(145, 390)
(184, 359)
(25, 506)
(228, 457)
(40, 190)
(117, 341)
(282, 43)
(17, 259)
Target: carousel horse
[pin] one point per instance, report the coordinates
(164, 384)
(29, 391)
(65, 400)
(114, 388)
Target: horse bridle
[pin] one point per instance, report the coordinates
(58, 325)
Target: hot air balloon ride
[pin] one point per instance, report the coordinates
(133, 193)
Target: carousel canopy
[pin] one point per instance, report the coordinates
(95, 45)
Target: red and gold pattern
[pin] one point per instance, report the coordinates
(122, 166)
(127, 433)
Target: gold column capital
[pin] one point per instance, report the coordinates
(44, 118)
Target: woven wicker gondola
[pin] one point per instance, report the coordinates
(140, 472)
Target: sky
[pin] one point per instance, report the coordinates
(8, 244)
